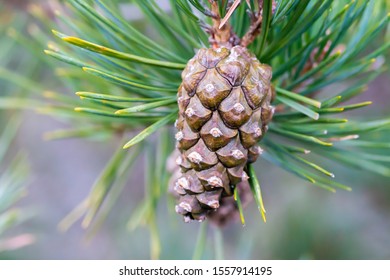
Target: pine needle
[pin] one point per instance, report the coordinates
(256, 191)
(117, 54)
(239, 206)
(150, 130)
(200, 244)
(230, 13)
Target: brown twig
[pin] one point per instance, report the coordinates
(221, 35)
(254, 29)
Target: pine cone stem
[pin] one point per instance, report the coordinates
(254, 29)
(222, 35)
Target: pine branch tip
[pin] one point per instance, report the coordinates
(57, 33)
(263, 216)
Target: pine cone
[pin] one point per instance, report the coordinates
(224, 108)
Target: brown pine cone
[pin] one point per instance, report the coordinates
(224, 108)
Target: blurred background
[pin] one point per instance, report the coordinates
(303, 222)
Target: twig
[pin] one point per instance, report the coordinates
(222, 34)
(208, 12)
(254, 29)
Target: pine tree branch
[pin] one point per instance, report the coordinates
(254, 29)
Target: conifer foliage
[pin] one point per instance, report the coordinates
(308, 44)
(129, 76)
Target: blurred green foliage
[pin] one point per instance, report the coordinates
(14, 167)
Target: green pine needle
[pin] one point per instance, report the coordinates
(201, 240)
(298, 97)
(239, 206)
(256, 191)
(148, 106)
(116, 54)
(150, 130)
